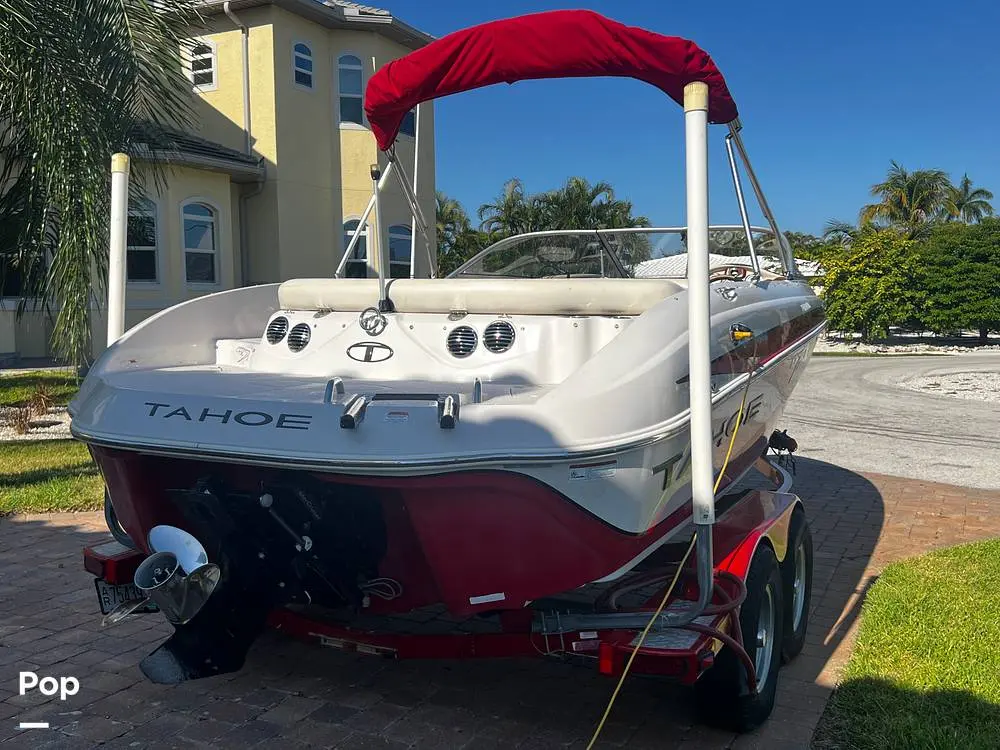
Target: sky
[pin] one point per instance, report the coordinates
(828, 92)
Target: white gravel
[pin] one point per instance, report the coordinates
(973, 386)
(53, 425)
(900, 347)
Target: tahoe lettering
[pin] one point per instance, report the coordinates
(675, 466)
(725, 429)
(249, 418)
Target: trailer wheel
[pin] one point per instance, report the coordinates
(722, 694)
(797, 571)
(114, 525)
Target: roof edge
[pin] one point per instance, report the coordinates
(240, 171)
(333, 17)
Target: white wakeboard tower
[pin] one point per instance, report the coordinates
(519, 448)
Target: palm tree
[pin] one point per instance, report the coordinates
(79, 80)
(840, 231)
(577, 204)
(512, 212)
(452, 221)
(457, 240)
(908, 201)
(966, 203)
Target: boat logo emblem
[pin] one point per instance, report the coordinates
(369, 351)
(372, 321)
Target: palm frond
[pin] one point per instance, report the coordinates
(78, 79)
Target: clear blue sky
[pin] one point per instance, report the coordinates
(828, 93)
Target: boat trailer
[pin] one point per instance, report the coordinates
(613, 626)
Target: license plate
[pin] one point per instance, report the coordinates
(110, 595)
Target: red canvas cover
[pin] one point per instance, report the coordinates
(555, 44)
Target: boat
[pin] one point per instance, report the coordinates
(533, 424)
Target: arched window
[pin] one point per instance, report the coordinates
(202, 70)
(400, 237)
(140, 256)
(302, 65)
(350, 75)
(200, 243)
(357, 264)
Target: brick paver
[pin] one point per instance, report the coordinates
(296, 695)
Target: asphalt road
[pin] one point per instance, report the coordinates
(851, 412)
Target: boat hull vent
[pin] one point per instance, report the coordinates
(462, 341)
(298, 337)
(276, 329)
(499, 336)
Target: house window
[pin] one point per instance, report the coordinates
(200, 243)
(357, 264)
(302, 65)
(399, 251)
(140, 258)
(409, 124)
(350, 75)
(203, 65)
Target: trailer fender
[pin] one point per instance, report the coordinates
(763, 517)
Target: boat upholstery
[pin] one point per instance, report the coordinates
(579, 296)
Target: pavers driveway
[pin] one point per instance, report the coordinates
(293, 694)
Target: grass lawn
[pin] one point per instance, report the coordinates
(39, 476)
(18, 389)
(926, 668)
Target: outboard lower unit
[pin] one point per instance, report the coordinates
(297, 541)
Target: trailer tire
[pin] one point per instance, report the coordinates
(797, 570)
(722, 694)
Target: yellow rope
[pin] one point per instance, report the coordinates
(732, 439)
(670, 588)
(663, 496)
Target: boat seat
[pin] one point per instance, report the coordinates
(579, 296)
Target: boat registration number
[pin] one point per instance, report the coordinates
(110, 595)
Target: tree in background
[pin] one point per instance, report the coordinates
(966, 203)
(868, 285)
(806, 246)
(908, 201)
(959, 275)
(840, 232)
(452, 221)
(576, 205)
(79, 80)
(457, 240)
(914, 203)
(513, 211)
(580, 205)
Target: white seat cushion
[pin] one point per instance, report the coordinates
(488, 296)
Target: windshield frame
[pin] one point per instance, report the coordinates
(514, 239)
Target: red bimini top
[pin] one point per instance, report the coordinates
(556, 44)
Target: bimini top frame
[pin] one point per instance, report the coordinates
(554, 44)
(572, 44)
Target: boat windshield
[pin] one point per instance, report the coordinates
(639, 252)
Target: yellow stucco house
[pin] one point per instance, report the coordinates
(272, 181)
